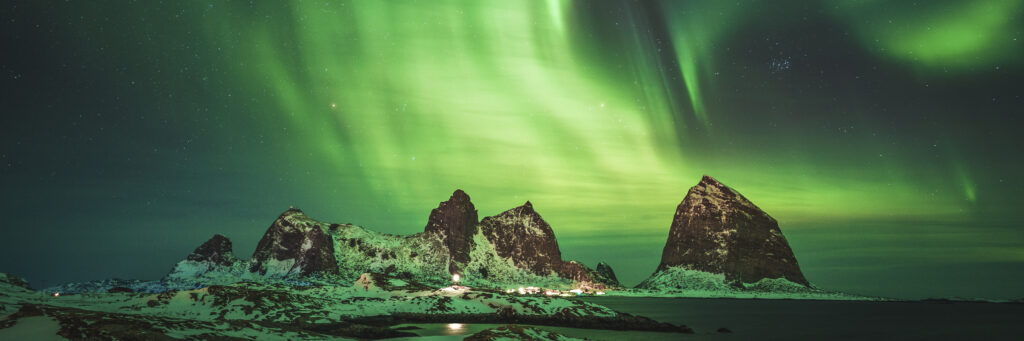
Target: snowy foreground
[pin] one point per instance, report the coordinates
(686, 283)
(366, 309)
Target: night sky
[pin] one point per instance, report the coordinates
(884, 136)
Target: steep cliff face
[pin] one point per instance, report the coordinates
(520, 234)
(213, 262)
(717, 230)
(216, 251)
(295, 245)
(455, 221)
(606, 271)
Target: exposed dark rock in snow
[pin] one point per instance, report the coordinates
(119, 289)
(581, 273)
(717, 230)
(456, 222)
(520, 234)
(314, 310)
(295, 245)
(606, 270)
(523, 236)
(217, 251)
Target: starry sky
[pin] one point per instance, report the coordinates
(884, 136)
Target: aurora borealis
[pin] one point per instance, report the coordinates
(882, 135)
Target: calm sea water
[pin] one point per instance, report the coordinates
(796, 320)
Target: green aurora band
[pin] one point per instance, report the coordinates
(420, 100)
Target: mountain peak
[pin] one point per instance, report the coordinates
(522, 234)
(606, 270)
(717, 230)
(216, 250)
(707, 180)
(460, 196)
(526, 208)
(292, 211)
(455, 220)
(295, 244)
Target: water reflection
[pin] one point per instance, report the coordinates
(455, 329)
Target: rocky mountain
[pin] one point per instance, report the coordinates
(515, 248)
(522, 236)
(295, 245)
(216, 251)
(606, 270)
(455, 222)
(716, 230)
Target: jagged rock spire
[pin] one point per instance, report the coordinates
(455, 220)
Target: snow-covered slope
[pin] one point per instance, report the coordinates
(316, 310)
(420, 257)
(683, 282)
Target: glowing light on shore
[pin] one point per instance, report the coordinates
(455, 326)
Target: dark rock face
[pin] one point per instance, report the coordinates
(606, 270)
(522, 235)
(295, 245)
(119, 289)
(581, 273)
(217, 250)
(456, 222)
(717, 230)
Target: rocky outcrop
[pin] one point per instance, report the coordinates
(587, 277)
(216, 251)
(521, 235)
(717, 230)
(455, 221)
(295, 245)
(606, 271)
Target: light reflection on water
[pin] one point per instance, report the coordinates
(456, 328)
